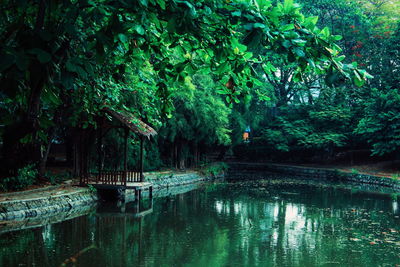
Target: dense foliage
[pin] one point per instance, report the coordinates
(316, 121)
(200, 72)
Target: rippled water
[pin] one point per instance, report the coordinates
(240, 224)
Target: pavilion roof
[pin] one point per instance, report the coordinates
(133, 123)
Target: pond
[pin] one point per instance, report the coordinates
(262, 223)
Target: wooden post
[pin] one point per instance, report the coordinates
(82, 157)
(78, 158)
(126, 156)
(141, 159)
(138, 194)
(86, 156)
(99, 144)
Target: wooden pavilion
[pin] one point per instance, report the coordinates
(117, 178)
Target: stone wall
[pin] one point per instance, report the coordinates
(166, 180)
(165, 183)
(239, 171)
(42, 206)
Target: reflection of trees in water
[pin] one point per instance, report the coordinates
(306, 229)
(219, 228)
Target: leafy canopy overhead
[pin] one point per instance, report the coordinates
(81, 43)
(61, 62)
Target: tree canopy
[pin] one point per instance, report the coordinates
(190, 68)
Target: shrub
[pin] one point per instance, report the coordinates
(354, 171)
(214, 169)
(57, 178)
(25, 177)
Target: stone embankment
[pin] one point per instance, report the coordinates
(170, 179)
(55, 200)
(60, 199)
(19, 207)
(238, 171)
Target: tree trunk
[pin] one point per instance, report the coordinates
(77, 152)
(43, 159)
(175, 155)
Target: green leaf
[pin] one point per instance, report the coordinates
(51, 97)
(89, 69)
(311, 62)
(122, 37)
(365, 74)
(298, 76)
(73, 65)
(161, 3)
(144, 2)
(269, 68)
(325, 32)
(237, 13)
(299, 52)
(26, 139)
(358, 80)
(70, 66)
(288, 5)
(287, 44)
(337, 37)
(259, 25)
(223, 91)
(262, 4)
(41, 55)
(299, 42)
(139, 29)
(247, 98)
(223, 68)
(287, 27)
(310, 22)
(340, 58)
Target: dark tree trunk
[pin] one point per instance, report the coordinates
(180, 156)
(43, 160)
(76, 152)
(17, 154)
(175, 155)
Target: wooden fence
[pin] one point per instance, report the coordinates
(112, 177)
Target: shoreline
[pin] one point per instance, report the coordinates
(58, 203)
(244, 170)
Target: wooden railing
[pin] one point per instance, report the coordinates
(113, 177)
(133, 176)
(110, 177)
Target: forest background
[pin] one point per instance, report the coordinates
(314, 81)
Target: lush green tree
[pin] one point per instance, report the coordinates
(200, 118)
(380, 125)
(316, 114)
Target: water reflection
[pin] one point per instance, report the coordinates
(227, 225)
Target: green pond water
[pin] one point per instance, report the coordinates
(229, 224)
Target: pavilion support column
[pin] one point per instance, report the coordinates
(83, 156)
(141, 158)
(126, 155)
(99, 145)
(86, 156)
(79, 158)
